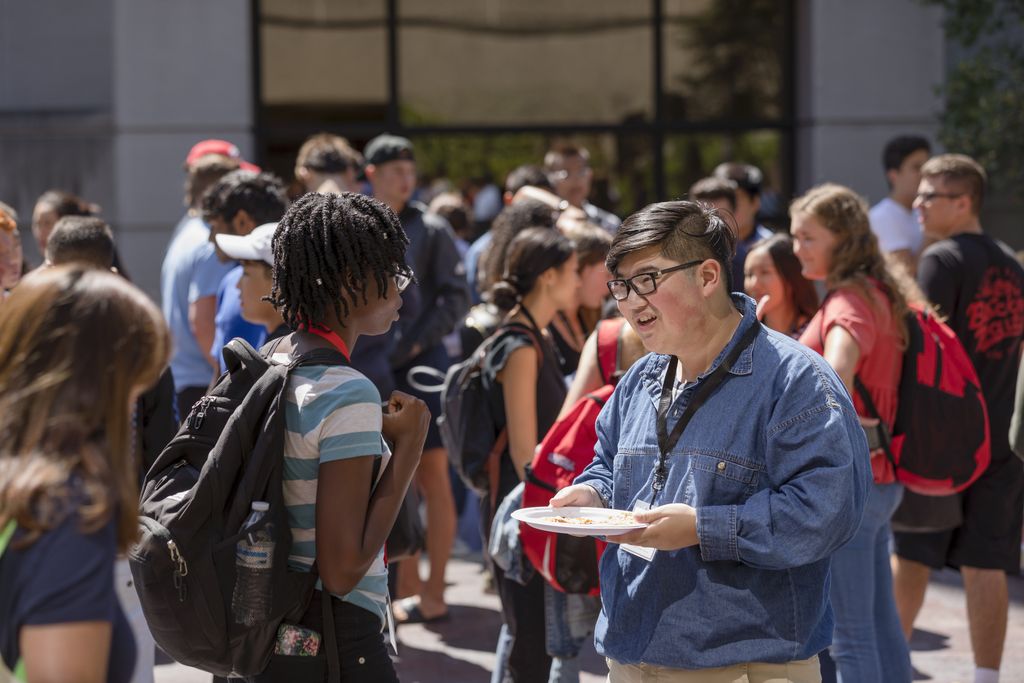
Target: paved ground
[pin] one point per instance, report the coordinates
(461, 650)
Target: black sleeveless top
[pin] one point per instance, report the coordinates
(568, 357)
(551, 391)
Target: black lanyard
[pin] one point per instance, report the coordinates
(667, 441)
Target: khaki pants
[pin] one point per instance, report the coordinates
(805, 671)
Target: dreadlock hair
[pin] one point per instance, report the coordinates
(327, 246)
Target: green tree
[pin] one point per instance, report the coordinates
(984, 91)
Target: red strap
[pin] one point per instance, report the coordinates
(608, 334)
(331, 336)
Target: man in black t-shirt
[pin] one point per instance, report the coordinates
(978, 283)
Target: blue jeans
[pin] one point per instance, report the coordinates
(569, 621)
(868, 644)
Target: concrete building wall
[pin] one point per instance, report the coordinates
(866, 72)
(105, 98)
(182, 73)
(56, 99)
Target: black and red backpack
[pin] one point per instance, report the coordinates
(939, 442)
(570, 563)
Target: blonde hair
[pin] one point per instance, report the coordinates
(76, 345)
(856, 258)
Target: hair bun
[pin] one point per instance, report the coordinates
(505, 294)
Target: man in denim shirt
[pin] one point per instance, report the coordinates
(768, 479)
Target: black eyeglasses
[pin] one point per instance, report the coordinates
(926, 197)
(644, 283)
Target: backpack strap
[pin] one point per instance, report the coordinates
(531, 332)
(330, 637)
(319, 357)
(315, 356)
(881, 428)
(609, 349)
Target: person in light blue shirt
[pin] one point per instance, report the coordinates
(741, 451)
(189, 278)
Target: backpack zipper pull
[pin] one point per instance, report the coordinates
(198, 413)
(180, 570)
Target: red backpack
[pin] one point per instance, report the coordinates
(570, 563)
(940, 437)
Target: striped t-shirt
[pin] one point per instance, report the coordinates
(331, 413)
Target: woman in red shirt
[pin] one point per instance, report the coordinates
(859, 329)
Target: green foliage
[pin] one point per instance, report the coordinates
(968, 21)
(984, 114)
(984, 91)
(688, 158)
(735, 66)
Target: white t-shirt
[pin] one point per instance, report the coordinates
(896, 226)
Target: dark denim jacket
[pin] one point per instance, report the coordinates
(776, 465)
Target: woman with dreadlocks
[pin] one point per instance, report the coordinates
(339, 270)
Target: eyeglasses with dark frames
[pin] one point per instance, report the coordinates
(644, 283)
(927, 197)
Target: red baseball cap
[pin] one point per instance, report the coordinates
(221, 147)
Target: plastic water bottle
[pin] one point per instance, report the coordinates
(254, 557)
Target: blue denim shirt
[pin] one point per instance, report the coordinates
(777, 467)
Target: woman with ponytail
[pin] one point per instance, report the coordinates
(522, 372)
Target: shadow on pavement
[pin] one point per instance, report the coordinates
(920, 675)
(928, 641)
(425, 666)
(469, 628)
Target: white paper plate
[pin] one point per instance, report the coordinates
(538, 519)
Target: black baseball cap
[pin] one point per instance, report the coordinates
(387, 147)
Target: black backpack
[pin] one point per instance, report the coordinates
(472, 428)
(227, 454)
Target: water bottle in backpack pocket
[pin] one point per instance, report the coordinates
(251, 599)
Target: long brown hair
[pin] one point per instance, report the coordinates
(76, 345)
(856, 258)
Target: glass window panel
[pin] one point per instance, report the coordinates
(623, 172)
(723, 59)
(688, 158)
(508, 62)
(329, 56)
